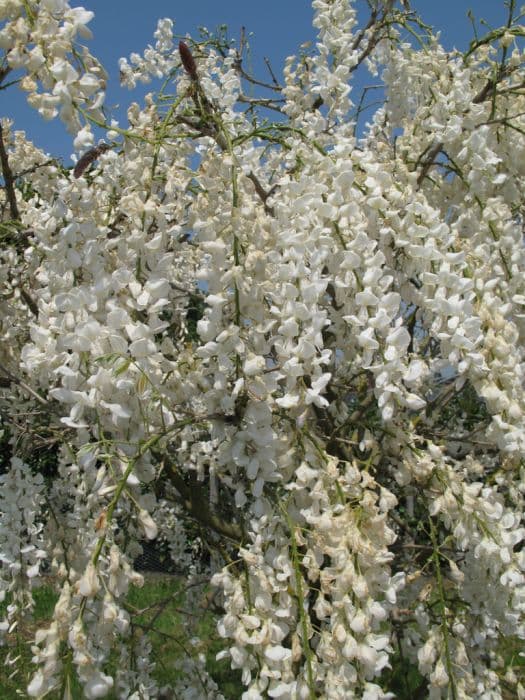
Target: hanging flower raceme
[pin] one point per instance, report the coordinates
(22, 549)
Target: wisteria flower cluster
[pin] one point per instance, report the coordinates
(283, 343)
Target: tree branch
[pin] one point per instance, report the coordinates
(262, 193)
(9, 180)
(260, 102)
(197, 506)
(15, 380)
(429, 162)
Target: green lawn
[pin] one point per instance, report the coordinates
(14, 678)
(159, 609)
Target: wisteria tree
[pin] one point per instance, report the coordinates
(283, 341)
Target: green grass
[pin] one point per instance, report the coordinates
(163, 623)
(14, 678)
(158, 609)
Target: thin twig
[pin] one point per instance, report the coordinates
(270, 70)
(376, 33)
(269, 86)
(261, 102)
(34, 168)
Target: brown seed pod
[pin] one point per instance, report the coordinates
(187, 60)
(88, 158)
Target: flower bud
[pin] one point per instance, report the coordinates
(187, 60)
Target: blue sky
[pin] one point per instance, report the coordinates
(278, 27)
